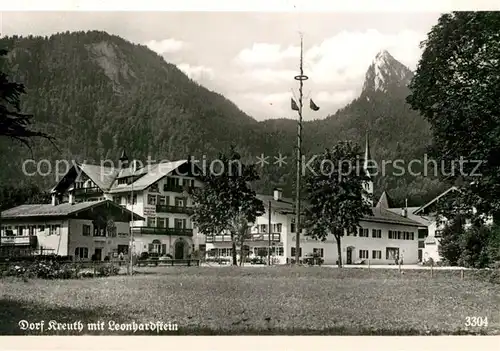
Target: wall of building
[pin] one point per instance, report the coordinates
(141, 244)
(408, 249)
(108, 244)
(55, 242)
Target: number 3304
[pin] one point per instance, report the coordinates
(476, 321)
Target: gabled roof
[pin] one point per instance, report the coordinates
(151, 174)
(419, 210)
(424, 221)
(380, 215)
(106, 177)
(384, 201)
(61, 210)
(103, 177)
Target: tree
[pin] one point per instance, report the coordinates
(13, 123)
(456, 89)
(337, 199)
(449, 244)
(226, 203)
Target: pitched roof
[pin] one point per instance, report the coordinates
(61, 210)
(384, 201)
(103, 177)
(285, 205)
(424, 221)
(380, 215)
(151, 174)
(384, 215)
(453, 188)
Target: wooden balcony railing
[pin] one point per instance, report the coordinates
(31, 240)
(88, 191)
(173, 209)
(275, 237)
(163, 231)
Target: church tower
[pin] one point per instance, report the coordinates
(370, 169)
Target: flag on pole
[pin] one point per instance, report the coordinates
(294, 105)
(313, 106)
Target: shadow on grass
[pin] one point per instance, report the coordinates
(12, 312)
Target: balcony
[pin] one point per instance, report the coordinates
(19, 241)
(88, 191)
(275, 237)
(173, 188)
(173, 209)
(162, 231)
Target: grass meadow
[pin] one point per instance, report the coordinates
(260, 300)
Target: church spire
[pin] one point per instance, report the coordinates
(369, 168)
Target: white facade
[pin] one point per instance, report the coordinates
(76, 237)
(377, 247)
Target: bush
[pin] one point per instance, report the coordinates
(42, 270)
(108, 270)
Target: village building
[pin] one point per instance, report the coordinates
(84, 231)
(433, 224)
(382, 238)
(158, 193)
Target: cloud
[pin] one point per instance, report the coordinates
(264, 53)
(347, 55)
(197, 73)
(166, 45)
(269, 76)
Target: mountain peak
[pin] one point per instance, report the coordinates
(385, 72)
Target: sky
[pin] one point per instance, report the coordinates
(252, 57)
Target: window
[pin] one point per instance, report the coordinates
(293, 252)
(54, 229)
(41, 228)
(130, 202)
(20, 230)
(154, 188)
(179, 223)
(376, 254)
(376, 233)
(163, 200)
(117, 199)
(122, 181)
(292, 228)
(355, 233)
(277, 228)
(363, 254)
(161, 222)
(152, 200)
(363, 232)
(422, 233)
(86, 230)
(81, 252)
(263, 228)
(123, 249)
(391, 253)
(180, 202)
(319, 252)
(151, 221)
(399, 235)
(31, 230)
(421, 244)
(412, 236)
(391, 234)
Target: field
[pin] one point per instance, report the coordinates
(271, 300)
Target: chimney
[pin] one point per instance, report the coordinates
(71, 200)
(404, 211)
(54, 199)
(278, 194)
